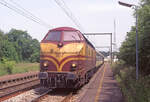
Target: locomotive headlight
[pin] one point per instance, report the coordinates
(74, 65)
(60, 44)
(45, 64)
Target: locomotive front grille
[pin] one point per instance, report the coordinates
(59, 76)
(57, 79)
(65, 76)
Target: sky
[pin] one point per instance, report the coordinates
(95, 16)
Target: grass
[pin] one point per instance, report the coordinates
(25, 67)
(19, 68)
(133, 90)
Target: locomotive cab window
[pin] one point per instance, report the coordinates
(53, 36)
(71, 36)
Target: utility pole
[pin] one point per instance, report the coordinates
(115, 46)
(114, 42)
(111, 48)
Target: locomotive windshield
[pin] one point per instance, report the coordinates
(54, 36)
(71, 36)
(67, 36)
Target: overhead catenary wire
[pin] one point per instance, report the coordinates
(68, 12)
(24, 13)
(29, 13)
(80, 26)
(76, 21)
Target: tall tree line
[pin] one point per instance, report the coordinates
(19, 46)
(127, 50)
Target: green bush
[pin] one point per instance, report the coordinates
(7, 66)
(133, 90)
(2, 71)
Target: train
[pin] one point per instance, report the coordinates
(67, 59)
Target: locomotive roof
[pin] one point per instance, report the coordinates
(64, 28)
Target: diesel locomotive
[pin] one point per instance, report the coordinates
(67, 59)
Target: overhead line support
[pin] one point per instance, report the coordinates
(110, 40)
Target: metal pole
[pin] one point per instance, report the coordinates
(111, 47)
(137, 69)
(136, 8)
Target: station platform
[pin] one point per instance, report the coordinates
(102, 87)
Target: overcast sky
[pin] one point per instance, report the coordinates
(93, 15)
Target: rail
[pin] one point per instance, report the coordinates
(39, 97)
(67, 98)
(10, 86)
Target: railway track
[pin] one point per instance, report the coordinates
(14, 85)
(39, 94)
(55, 95)
(68, 98)
(42, 94)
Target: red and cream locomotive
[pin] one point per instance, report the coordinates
(67, 59)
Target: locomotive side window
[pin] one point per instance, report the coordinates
(54, 36)
(71, 36)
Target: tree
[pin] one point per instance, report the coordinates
(1, 40)
(127, 50)
(19, 46)
(7, 49)
(27, 48)
(144, 21)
